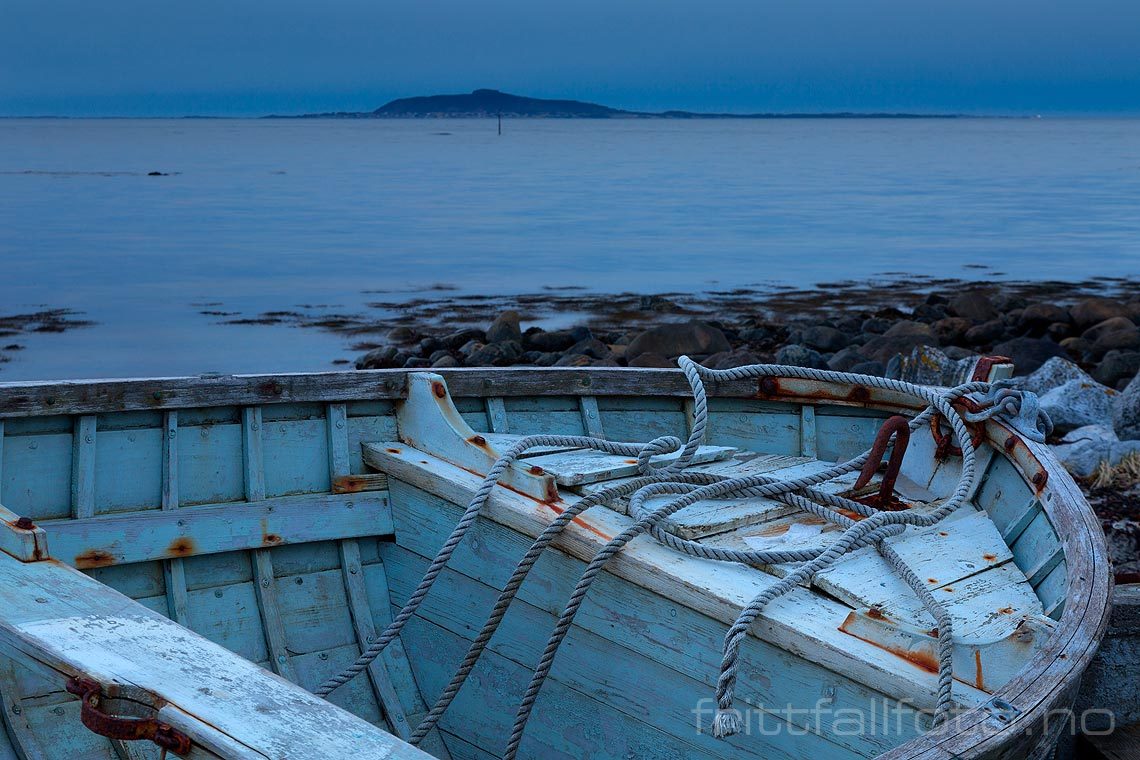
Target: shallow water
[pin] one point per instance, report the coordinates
(261, 215)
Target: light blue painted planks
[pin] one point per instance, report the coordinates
(134, 537)
(635, 685)
(639, 621)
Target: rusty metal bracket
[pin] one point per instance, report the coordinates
(944, 442)
(91, 714)
(897, 427)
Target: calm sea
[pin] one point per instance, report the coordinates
(269, 214)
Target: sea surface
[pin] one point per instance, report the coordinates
(261, 215)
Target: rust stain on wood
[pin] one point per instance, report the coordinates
(181, 547)
(93, 558)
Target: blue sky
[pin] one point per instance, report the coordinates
(251, 57)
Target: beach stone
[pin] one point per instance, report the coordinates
(501, 354)
(985, 333)
(1057, 331)
(740, 357)
(973, 305)
(1052, 374)
(504, 328)
(764, 334)
(1078, 403)
(822, 338)
(1076, 348)
(844, 360)
(1126, 413)
(435, 356)
(650, 359)
(574, 360)
(1028, 354)
(1082, 450)
(796, 355)
(609, 361)
(456, 340)
(926, 312)
(1038, 316)
(429, 346)
(402, 335)
(1111, 325)
(899, 339)
(1124, 339)
(679, 338)
(445, 361)
(388, 357)
(957, 352)
(951, 329)
(591, 347)
(1092, 311)
(416, 362)
(547, 359)
(876, 325)
(873, 368)
(926, 365)
(554, 340)
(1117, 366)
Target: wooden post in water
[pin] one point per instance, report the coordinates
(500, 123)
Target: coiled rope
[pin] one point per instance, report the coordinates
(1018, 408)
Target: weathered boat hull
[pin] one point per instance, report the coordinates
(242, 509)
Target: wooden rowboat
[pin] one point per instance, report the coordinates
(183, 560)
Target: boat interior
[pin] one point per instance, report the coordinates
(237, 545)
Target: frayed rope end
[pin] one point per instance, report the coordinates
(726, 723)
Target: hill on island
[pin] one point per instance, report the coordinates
(482, 103)
(491, 103)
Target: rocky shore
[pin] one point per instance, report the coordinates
(1080, 354)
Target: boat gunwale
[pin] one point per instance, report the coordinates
(975, 733)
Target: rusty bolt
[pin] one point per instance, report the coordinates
(25, 523)
(769, 386)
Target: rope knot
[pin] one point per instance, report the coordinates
(661, 445)
(726, 723)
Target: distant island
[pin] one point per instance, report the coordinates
(486, 103)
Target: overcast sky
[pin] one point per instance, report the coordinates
(251, 57)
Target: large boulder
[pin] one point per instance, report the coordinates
(796, 355)
(844, 360)
(388, 357)
(505, 327)
(822, 338)
(926, 365)
(1078, 403)
(1038, 317)
(985, 333)
(1028, 354)
(951, 329)
(1126, 414)
(1052, 374)
(555, 340)
(899, 339)
(1083, 450)
(973, 305)
(679, 338)
(1093, 310)
(1117, 366)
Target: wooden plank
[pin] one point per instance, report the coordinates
(337, 420)
(640, 623)
(253, 454)
(1038, 550)
(26, 545)
(661, 704)
(265, 583)
(173, 570)
(353, 575)
(26, 399)
(807, 430)
(15, 721)
(582, 466)
(62, 623)
(496, 414)
(83, 468)
(189, 531)
(591, 416)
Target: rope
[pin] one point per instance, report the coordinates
(688, 488)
